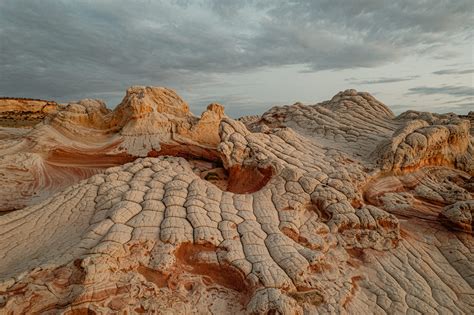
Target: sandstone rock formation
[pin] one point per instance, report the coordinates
(83, 138)
(24, 112)
(338, 207)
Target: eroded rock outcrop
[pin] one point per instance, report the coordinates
(83, 138)
(24, 112)
(327, 208)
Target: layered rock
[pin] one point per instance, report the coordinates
(24, 112)
(85, 137)
(326, 208)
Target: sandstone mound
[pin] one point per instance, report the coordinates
(338, 207)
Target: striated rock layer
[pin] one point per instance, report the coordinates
(84, 138)
(338, 207)
(24, 112)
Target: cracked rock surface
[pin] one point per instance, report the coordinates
(83, 138)
(333, 208)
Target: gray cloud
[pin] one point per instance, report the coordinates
(454, 71)
(381, 80)
(338, 34)
(464, 100)
(461, 108)
(70, 49)
(460, 98)
(459, 91)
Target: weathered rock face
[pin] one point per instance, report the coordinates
(338, 207)
(24, 112)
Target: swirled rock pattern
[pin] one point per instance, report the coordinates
(83, 138)
(338, 207)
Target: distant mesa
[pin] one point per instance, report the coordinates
(24, 112)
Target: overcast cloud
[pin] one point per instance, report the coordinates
(381, 80)
(448, 90)
(75, 49)
(454, 71)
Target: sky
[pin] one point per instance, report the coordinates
(247, 55)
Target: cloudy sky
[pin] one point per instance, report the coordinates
(247, 55)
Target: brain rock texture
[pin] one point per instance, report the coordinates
(334, 208)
